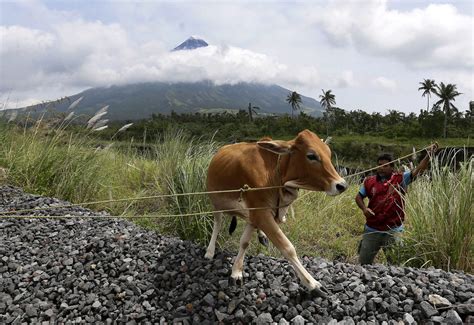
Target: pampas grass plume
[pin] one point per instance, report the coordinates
(69, 116)
(101, 128)
(97, 116)
(74, 103)
(13, 116)
(123, 128)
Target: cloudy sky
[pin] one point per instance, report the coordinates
(371, 53)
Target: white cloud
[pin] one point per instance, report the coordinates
(384, 84)
(86, 54)
(346, 79)
(437, 36)
(52, 49)
(18, 40)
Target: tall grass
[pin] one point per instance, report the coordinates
(440, 218)
(68, 166)
(325, 225)
(184, 166)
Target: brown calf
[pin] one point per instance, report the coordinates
(304, 162)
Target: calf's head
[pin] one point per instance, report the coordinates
(308, 164)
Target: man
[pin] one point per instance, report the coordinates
(384, 214)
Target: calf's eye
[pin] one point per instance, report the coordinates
(312, 156)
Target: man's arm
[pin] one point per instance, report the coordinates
(424, 163)
(361, 204)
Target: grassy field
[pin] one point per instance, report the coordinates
(58, 163)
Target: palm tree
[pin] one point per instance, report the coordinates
(428, 86)
(294, 99)
(252, 110)
(327, 99)
(446, 93)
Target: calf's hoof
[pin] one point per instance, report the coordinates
(237, 281)
(263, 240)
(319, 292)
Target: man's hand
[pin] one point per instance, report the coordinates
(432, 149)
(368, 213)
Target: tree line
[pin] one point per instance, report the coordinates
(443, 119)
(446, 94)
(243, 126)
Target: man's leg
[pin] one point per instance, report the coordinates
(390, 249)
(369, 247)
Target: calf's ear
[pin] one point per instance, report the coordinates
(275, 146)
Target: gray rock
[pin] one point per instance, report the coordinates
(358, 305)
(438, 301)
(224, 284)
(408, 319)
(291, 313)
(209, 299)
(427, 309)
(452, 317)
(293, 287)
(49, 313)
(220, 316)
(298, 320)
(466, 308)
(264, 319)
(31, 311)
(283, 321)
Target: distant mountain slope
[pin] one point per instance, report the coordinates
(139, 101)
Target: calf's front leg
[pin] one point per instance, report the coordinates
(268, 225)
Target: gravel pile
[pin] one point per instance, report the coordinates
(110, 271)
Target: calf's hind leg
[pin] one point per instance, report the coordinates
(238, 266)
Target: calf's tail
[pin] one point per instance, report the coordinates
(233, 225)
